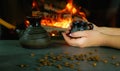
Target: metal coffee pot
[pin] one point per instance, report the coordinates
(35, 36)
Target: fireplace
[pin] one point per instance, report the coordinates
(57, 15)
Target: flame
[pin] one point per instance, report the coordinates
(27, 22)
(35, 5)
(69, 8)
(63, 22)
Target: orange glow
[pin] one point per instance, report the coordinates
(27, 23)
(33, 4)
(53, 34)
(64, 17)
(74, 10)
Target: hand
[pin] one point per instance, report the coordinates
(86, 38)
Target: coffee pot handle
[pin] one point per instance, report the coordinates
(90, 26)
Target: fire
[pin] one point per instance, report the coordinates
(64, 17)
(69, 8)
(62, 23)
(27, 23)
(35, 5)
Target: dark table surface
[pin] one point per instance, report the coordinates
(13, 56)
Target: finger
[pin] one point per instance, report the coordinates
(80, 33)
(68, 39)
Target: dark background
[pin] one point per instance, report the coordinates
(14, 12)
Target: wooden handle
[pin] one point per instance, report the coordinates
(6, 24)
